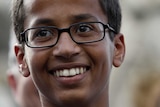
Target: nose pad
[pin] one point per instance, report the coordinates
(66, 47)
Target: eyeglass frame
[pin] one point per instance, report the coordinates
(22, 37)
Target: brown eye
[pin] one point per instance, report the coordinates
(84, 28)
(43, 33)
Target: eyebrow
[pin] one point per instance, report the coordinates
(44, 21)
(73, 18)
(82, 17)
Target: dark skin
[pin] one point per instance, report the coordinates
(89, 89)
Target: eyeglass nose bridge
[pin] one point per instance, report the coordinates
(60, 31)
(64, 30)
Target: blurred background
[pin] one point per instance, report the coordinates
(137, 82)
(5, 95)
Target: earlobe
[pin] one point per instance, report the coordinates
(23, 67)
(119, 50)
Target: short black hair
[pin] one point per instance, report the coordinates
(111, 9)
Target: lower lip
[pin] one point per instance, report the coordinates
(74, 80)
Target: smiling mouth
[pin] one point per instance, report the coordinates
(70, 72)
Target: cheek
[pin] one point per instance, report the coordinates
(103, 61)
(37, 61)
(107, 53)
(102, 54)
(102, 57)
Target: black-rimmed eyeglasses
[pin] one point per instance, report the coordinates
(80, 33)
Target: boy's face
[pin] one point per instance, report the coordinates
(94, 60)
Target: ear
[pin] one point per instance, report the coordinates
(119, 50)
(20, 55)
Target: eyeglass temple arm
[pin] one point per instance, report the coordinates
(110, 28)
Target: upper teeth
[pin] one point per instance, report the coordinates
(70, 72)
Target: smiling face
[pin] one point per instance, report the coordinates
(70, 73)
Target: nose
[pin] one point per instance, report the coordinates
(66, 48)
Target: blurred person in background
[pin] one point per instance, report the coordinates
(23, 89)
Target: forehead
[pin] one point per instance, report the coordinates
(62, 10)
(40, 5)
